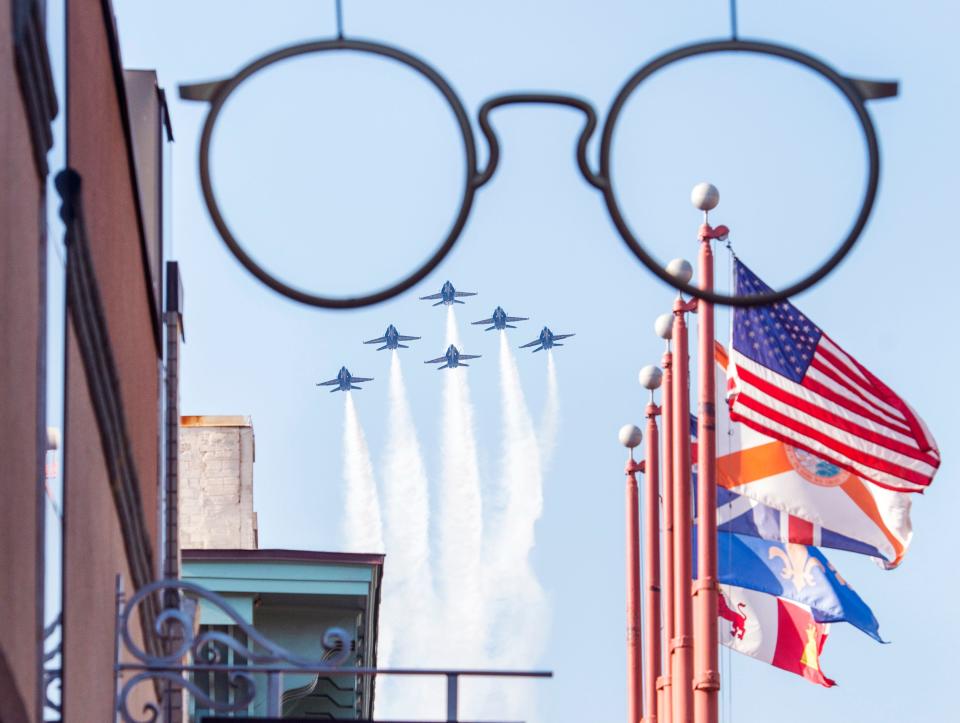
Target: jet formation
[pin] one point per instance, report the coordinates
(453, 357)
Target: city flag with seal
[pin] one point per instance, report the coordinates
(800, 573)
(777, 631)
(774, 490)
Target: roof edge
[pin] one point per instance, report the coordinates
(216, 420)
(282, 555)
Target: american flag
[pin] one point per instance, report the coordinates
(794, 383)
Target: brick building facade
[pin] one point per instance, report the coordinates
(27, 107)
(112, 373)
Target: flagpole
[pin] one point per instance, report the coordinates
(630, 437)
(650, 378)
(706, 657)
(682, 644)
(664, 329)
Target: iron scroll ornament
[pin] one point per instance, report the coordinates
(207, 649)
(856, 91)
(187, 652)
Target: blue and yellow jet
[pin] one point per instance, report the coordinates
(547, 340)
(391, 339)
(452, 358)
(500, 320)
(448, 295)
(344, 381)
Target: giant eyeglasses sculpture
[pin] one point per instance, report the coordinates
(856, 92)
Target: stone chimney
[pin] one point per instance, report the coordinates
(216, 483)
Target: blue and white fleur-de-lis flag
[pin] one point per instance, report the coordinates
(796, 572)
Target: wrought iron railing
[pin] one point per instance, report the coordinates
(189, 651)
(53, 669)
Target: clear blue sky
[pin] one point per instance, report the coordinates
(340, 173)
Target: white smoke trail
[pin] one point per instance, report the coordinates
(522, 477)
(408, 610)
(518, 604)
(362, 530)
(550, 422)
(460, 524)
(407, 493)
(453, 329)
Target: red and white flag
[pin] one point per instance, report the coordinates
(776, 631)
(795, 384)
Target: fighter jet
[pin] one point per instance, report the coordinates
(391, 339)
(448, 295)
(547, 340)
(344, 381)
(452, 358)
(500, 320)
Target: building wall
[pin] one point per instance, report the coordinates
(22, 309)
(216, 483)
(300, 629)
(94, 554)
(97, 149)
(96, 548)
